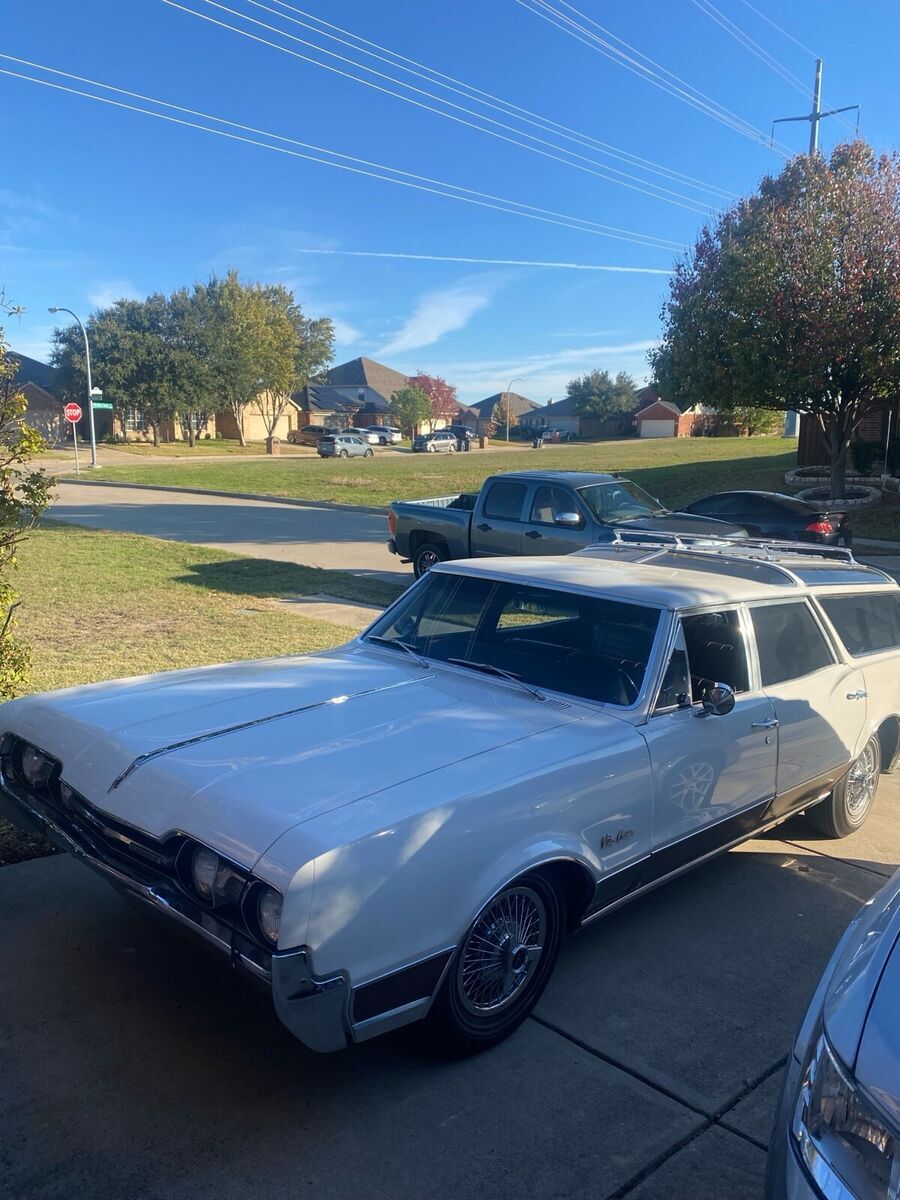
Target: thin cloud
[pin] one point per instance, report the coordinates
(495, 262)
(344, 332)
(109, 291)
(439, 313)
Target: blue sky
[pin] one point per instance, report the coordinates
(98, 202)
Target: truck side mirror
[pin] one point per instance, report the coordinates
(569, 520)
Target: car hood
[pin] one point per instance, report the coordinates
(863, 999)
(237, 755)
(679, 522)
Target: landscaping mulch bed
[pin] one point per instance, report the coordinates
(16, 846)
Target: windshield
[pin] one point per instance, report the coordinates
(620, 500)
(584, 646)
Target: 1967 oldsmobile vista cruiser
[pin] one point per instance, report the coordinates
(406, 826)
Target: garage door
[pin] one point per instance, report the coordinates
(657, 428)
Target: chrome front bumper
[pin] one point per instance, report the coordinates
(314, 1010)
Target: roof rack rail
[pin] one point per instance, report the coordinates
(768, 549)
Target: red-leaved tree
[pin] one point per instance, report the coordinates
(444, 404)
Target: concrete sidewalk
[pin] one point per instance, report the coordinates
(136, 1066)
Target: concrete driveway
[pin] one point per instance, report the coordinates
(135, 1066)
(316, 535)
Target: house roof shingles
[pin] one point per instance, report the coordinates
(30, 370)
(365, 372)
(518, 405)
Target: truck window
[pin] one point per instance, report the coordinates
(504, 500)
(789, 642)
(548, 503)
(865, 624)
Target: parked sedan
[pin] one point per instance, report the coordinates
(344, 445)
(368, 435)
(771, 514)
(309, 435)
(388, 435)
(442, 440)
(837, 1132)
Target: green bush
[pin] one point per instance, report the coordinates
(867, 457)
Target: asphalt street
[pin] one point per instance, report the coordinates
(316, 535)
(134, 1066)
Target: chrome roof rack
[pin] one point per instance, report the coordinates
(751, 553)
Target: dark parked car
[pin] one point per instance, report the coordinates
(310, 434)
(463, 436)
(773, 515)
(535, 512)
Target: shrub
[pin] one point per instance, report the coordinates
(867, 457)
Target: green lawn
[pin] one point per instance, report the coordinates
(202, 449)
(98, 605)
(676, 470)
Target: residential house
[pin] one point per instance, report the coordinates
(519, 407)
(37, 383)
(562, 415)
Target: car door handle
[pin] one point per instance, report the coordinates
(858, 695)
(533, 533)
(484, 528)
(769, 723)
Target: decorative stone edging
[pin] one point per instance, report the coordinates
(810, 475)
(872, 496)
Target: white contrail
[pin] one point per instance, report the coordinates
(493, 262)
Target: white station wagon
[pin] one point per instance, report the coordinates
(405, 827)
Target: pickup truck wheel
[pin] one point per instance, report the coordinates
(846, 809)
(500, 968)
(426, 556)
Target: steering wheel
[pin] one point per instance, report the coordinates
(631, 688)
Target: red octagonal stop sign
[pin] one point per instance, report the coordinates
(73, 413)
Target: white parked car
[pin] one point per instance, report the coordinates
(405, 827)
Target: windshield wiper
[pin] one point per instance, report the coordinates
(490, 669)
(410, 650)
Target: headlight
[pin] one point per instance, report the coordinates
(36, 766)
(843, 1140)
(215, 880)
(204, 865)
(268, 909)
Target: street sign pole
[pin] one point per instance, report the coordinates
(72, 413)
(75, 443)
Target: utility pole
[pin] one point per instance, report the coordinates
(816, 115)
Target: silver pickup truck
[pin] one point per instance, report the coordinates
(534, 512)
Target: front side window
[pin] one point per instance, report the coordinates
(709, 649)
(866, 624)
(504, 500)
(586, 646)
(548, 503)
(789, 642)
(620, 500)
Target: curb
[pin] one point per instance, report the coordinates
(190, 491)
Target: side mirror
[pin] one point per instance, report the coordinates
(569, 520)
(717, 701)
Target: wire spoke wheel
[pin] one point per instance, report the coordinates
(502, 951)
(862, 782)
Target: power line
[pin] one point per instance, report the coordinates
(351, 163)
(599, 170)
(775, 25)
(655, 73)
(493, 262)
(397, 60)
(734, 30)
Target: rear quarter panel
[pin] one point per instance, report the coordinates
(420, 521)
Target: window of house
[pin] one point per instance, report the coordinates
(504, 500)
(866, 624)
(789, 642)
(134, 421)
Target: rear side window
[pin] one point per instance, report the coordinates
(789, 642)
(504, 499)
(866, 624)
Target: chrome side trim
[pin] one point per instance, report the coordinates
(217, 733)
(385, 1022)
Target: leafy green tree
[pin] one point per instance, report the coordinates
(312, 350)
(753, 420)
(597, 394)
(248, 342)
(24, 495)
(791, 301)
(410, 408)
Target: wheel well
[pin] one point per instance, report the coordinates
(575, 885)
(889, 737)
(420, 537)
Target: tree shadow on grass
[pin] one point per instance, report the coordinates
(268, 579)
